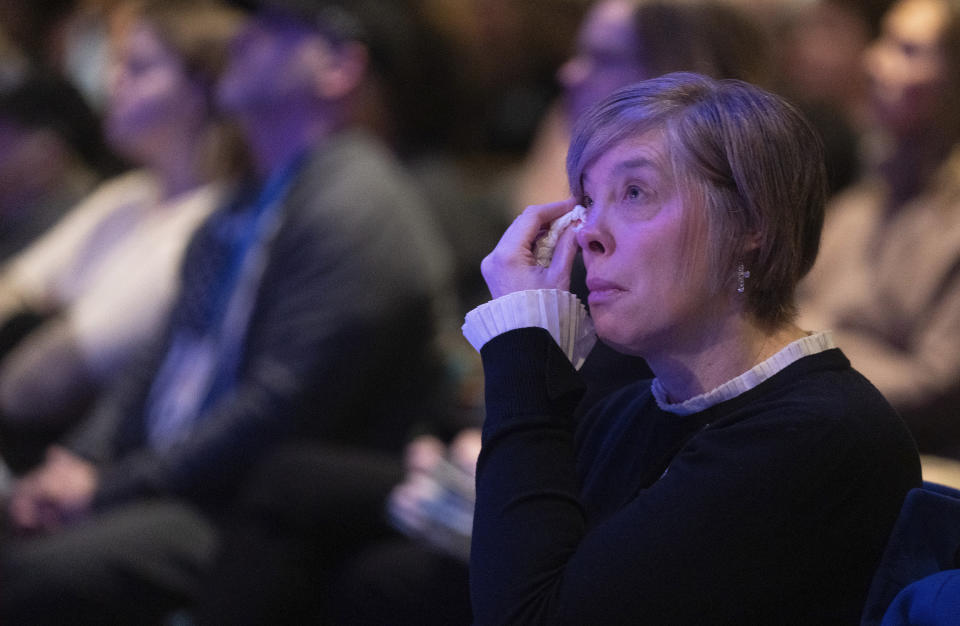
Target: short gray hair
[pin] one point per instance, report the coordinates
(748, 159)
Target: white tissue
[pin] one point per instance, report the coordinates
(545, 245)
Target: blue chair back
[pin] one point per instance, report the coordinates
(924, 541)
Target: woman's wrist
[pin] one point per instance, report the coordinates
(559, 312)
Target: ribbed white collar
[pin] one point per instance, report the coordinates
(806, 346)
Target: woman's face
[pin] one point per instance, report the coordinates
(151, 98)
(605, 58)
(648, 292)
(907, 66)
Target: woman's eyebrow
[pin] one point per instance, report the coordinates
(633, 164)
(626, 166)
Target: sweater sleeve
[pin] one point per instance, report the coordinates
(531, 392)
(749, 524)
(559, 312)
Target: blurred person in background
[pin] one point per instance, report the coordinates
(81, 48)
(475, 78)
(103, 277)
(69, 38)
(624, 41)
(299, 87)
(34, 28)
(53, 156)
(888, 277)
(818, 47)
(505, 54)
(13, 62)
(301, 340)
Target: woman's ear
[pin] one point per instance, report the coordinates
(752, 242)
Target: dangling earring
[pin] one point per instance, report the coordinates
(742, 276)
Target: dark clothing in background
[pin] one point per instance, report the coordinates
(339, 345)
(306, 510)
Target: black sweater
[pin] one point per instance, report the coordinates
(772, 507)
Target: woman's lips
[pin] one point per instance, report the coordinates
(602, 290)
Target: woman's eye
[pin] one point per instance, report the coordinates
(634, 193)
(587, 202)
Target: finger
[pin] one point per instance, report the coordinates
(535, 218)
(403, 504)
(465, 449)
(563, 257)
(423, 453)
(552, 210)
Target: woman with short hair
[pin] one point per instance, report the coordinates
(756, 478)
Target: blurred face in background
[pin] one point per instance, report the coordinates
(605, 58)
(153, 102)
(823, 52)
(908, 68)
(268, 67)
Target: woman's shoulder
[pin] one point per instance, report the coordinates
(821, 403)
(818, 386)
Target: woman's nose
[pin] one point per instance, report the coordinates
(592, 237)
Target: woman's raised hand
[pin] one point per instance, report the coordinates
(512, 265)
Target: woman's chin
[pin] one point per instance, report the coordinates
(616, 341)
